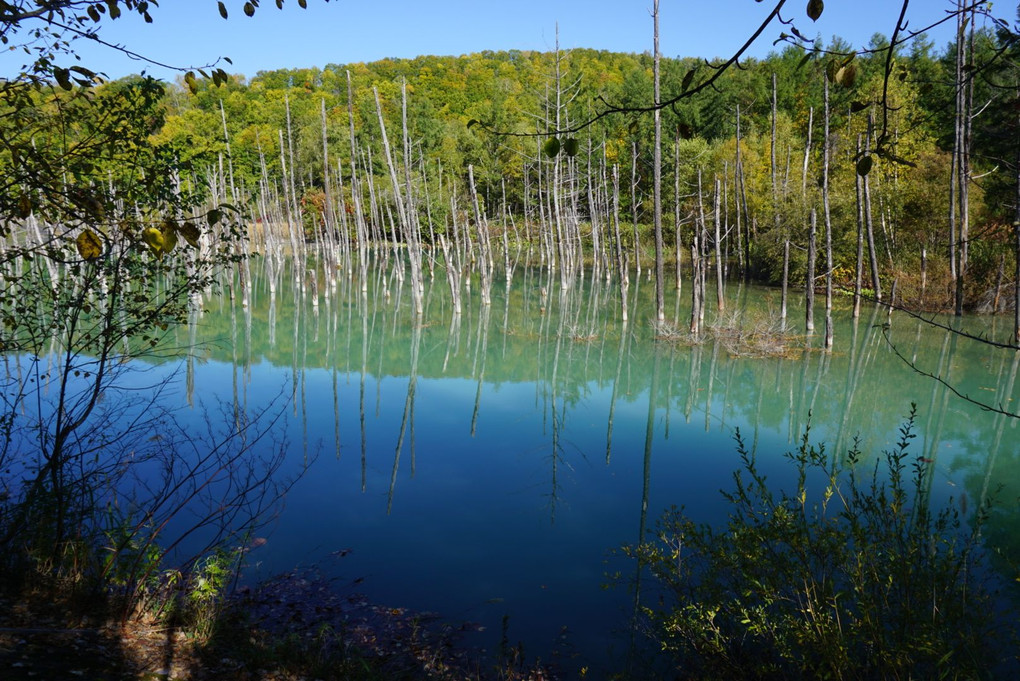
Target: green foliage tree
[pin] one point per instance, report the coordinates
(104, 244)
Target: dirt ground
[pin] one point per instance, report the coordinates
(294, 626)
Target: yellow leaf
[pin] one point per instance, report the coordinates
(89, 245)
(154, 238)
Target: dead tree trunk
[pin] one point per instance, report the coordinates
(660, 302)
(809, 302)
(828, 223)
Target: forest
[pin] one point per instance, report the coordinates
(906, 158)
(751, 153)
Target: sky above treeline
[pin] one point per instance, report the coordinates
(191, 33)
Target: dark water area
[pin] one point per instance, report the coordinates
(485, 466)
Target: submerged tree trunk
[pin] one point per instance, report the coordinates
(720, 300)
(786, 280)
(809, 303)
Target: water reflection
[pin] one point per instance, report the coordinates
(497, 451)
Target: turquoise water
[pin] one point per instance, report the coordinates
(486, 465)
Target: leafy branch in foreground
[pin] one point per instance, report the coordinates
(851, 575)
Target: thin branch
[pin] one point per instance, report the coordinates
(947, 384)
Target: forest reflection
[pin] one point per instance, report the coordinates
(549, 403)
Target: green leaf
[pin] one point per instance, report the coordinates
(864, 165)
(815, 8)
(856, 107)
(303, 4)
(223, 10)
(189, 80)
(570, 146)
(551, 147)
(214, 216)
(93, 13)
(830, 70)
(114, 9)
(688, 79)
(249, 9)
(169, 237)
(63, 78)
(473, 121)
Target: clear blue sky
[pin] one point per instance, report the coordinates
(191, 32)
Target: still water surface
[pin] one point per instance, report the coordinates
(485, 465)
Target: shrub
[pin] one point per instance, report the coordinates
(861, 580)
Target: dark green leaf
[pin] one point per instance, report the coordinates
(473, 121)
(830, 70)
(24, 206)
(570, 146)
(223, 10)
(303, 4)
(856, 107)
(189, 80)
(249, 9)
(93, 13)
(551, 147)
(688, 78)
(864, 165)
(63, 78)
(815, 8)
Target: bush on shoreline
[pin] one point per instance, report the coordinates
(851, 575)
